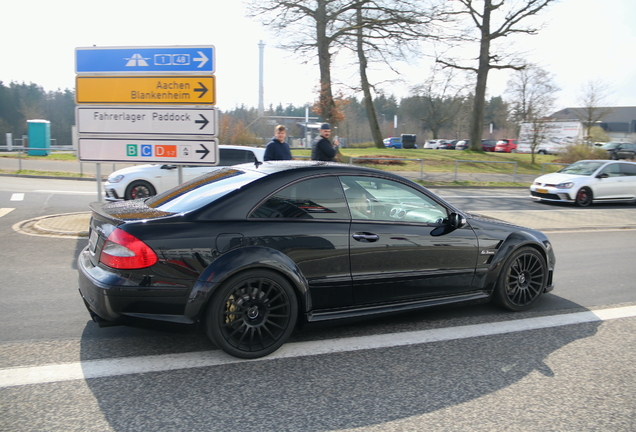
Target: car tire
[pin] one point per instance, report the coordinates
(252, 314)
(139, 189)
(541, 152)
(584, 197)
(522, 280)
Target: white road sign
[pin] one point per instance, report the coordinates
(146, 120)
(184, 152)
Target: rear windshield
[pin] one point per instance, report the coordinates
(202, 190)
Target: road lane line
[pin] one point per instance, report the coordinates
(19, 376)
(5, 211)
(17, 197)
(65, 192)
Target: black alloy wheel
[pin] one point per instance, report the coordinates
(252, 314)
(139, 189)
(522, 280)
(584, 197)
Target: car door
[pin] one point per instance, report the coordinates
(628, 175)
(610, 183)
(309, 222)
(399, 249)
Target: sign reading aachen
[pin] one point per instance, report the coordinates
(163, 90)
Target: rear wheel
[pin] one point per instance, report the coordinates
(139, 189)
(522, 280)
(584, 197)
(252, 314)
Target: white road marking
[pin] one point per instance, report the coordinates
(17, 197)
(19, 376)
(65, 192)
(5, 211)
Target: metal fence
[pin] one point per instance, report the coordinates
(514, 174)
(421, 161)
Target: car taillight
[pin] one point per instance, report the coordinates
(124, 251)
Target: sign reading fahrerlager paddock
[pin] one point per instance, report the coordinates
(146, 120)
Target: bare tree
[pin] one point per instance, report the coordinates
(371, 29)
(442, 99)
(594, 105)
(495, 19)
(532, 94)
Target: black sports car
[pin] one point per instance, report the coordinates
(252, 251)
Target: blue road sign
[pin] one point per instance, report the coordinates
(144, 60)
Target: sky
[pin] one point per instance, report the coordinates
(582, 40)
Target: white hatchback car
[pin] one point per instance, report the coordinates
(433, 144)
(142, 181)
(588, 181)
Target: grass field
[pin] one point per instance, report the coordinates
(433, 161)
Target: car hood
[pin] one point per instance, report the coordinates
(556, 178)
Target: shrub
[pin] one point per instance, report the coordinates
(577, 152)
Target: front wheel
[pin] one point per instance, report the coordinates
(522, 280)
(139, 189)
(584, 197)
(252, 314)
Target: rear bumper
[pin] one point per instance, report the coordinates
(113, 298)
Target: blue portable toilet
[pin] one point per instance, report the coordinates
(39, 137)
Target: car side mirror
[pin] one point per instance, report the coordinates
(455, 220)
(602, 176)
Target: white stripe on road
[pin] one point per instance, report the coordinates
(17, 197)
(20, 376)
(65, 192)
(5, 211)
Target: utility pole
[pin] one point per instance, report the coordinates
(261, 104)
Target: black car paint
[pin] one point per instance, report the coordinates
(201, 249)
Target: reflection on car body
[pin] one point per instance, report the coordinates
(252, 251)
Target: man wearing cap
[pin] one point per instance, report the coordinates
(322, 149)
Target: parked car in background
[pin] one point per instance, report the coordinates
(433, 144)
(588, 181)
(620, 150)
(252, 251)
(448, 145)
(462, 145)
(142, 181)
(393, 142)
(488, 145)
(506, 146)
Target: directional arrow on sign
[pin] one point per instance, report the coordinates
(204, 121)
(205, 151)
(203, 59)
(202, 90)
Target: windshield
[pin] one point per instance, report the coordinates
(582, 168)
(609, 146)
(202, 190)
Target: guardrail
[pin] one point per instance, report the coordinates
(421, 161)
(550, 163)
(514, 174)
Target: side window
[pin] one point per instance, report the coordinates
(628, 169)
(317, 198)
(386, 200)
(229, 157)
(612, 170)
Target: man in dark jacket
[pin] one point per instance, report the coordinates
(322, 149)
(278, 149)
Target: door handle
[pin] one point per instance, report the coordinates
(364, 236)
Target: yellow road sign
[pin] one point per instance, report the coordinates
(146, 90)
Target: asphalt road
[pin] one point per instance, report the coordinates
(567, 365)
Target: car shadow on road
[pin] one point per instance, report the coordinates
(321, 393)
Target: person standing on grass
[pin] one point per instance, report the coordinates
(278, 149)
(322, 149)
